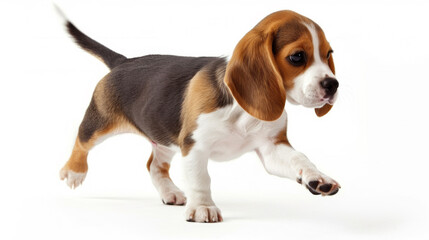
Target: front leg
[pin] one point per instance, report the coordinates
(280, 159)
(200, 206)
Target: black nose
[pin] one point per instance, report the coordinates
(330, 85)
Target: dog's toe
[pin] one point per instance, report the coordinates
(325, 188)
(319, 184)
(313, 184)
(203, 214)
(334, 192)
(73, 179)
(174, 198)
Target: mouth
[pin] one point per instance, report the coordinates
(330, 100)
(313, 99)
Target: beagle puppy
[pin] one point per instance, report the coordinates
(212, 108)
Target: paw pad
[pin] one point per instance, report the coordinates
(320, 187)
(334, 192)
(325, 187)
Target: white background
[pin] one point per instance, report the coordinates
(374, 141)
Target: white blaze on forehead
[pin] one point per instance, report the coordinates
(315, 40)
(323, 68)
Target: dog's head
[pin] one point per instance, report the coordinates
(286, 55)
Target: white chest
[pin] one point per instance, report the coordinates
(230, 132)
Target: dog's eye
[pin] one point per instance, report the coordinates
(297, 59)
(329, 54)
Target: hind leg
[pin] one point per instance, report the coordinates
(102, 119)
(93, 127)
(100, 122)
(76, 167)
(158, 166)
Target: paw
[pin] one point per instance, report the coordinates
(174, 198)
(74, 179)
(203, 214)
(318, 183)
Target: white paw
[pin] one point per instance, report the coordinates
(74, 179)
(203, 214)
(173, 198)
(318, 183)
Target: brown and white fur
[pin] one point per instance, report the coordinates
(210, 108)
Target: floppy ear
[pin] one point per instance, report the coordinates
(320, 112)
(253, 78)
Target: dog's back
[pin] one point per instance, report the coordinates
(142, 87)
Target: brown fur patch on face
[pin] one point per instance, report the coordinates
(200, 97)
(324, 48)
(287, 70)
(288, 33)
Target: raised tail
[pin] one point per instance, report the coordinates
(109, 57)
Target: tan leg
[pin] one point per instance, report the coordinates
(101, 120)
(158, 166)
(76, 167)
